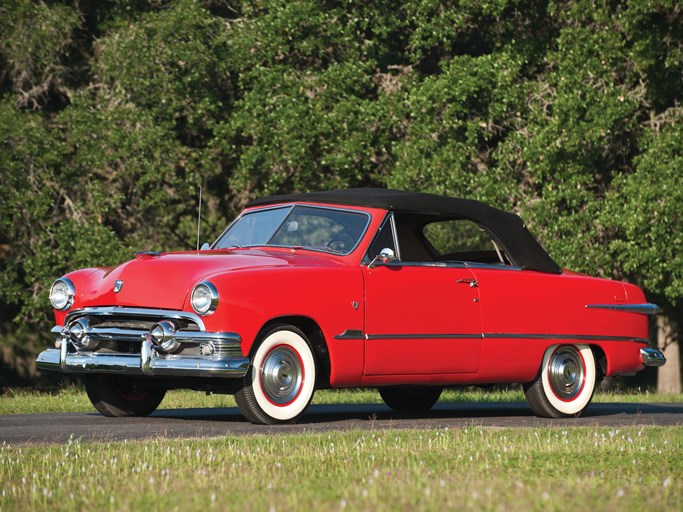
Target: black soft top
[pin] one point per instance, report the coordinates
(507, 228)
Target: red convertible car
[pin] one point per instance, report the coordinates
(406, 292)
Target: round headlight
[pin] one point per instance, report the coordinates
(204, 298)
(62, 294)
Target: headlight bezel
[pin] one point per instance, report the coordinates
(209, 297)
(69, 293)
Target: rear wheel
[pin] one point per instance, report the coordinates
(565, 384)
(118, 395)
(411, 398)
(281, 381)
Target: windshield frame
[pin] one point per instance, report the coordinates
(291, 207)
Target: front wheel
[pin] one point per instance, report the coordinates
(281, 381)
(410, 398)
(118, 395)
(565, 384)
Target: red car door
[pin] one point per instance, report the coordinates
(421, 320)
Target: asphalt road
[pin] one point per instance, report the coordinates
(179, 423)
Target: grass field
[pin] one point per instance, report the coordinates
(74, 399)
(634, 468)
(473, 468)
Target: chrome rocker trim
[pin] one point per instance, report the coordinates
(642, 309)
(652, 357)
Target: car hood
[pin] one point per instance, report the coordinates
(165, 280)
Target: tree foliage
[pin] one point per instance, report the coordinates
(113, 113)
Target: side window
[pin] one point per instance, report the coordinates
(383, 239)
(462, 240)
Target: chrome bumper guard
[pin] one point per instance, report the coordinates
(652, 357)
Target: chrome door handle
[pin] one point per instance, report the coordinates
(472, 282)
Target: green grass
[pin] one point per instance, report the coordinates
(473, 468)
(74, 399)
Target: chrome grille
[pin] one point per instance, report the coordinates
(121, 329)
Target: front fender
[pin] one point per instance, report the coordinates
(331, 297)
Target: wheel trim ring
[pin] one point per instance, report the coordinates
(565, 384)
(273, 372)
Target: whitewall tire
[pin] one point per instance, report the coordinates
(565, 384)
(281, 381)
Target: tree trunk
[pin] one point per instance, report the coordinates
(669, 375)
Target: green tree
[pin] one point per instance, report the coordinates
(644, 208)
(113, 113)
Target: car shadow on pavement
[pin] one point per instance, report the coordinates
(445, 411)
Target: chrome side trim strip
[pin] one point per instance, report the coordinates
(350, 334)
(652, 357)
(642, 309)
(154, 314)
(582, 337)
(499, 335)
(422, 336)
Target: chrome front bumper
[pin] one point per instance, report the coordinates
(652, 357)
(118, 340)
(148, 362)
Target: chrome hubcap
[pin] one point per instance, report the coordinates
(565, 373)
(281, 375)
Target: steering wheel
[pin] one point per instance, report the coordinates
(343, 243)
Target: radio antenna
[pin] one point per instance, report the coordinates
(199, 216)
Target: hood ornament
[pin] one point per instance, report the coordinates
(117, 285)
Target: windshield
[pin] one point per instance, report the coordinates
(309, 227)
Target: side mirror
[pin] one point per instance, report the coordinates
(205, 246)
(384, 257)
